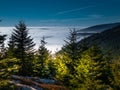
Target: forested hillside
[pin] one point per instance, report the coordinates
(80, 65)
(100, 28)
(108, 40)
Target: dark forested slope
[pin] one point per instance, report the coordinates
(99, 28)
(108, 40)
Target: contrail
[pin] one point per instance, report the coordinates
(73, 10)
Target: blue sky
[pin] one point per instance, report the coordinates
(59, 12)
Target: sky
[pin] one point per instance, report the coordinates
(59, 12)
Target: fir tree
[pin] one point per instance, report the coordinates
(23, 45)
(11, 48)
(2, 46)
(71, 51)
(115, 79)
(41, 65)
(71, 47)
(69, 58)
(92, 70)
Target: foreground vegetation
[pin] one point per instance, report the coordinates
(76, 66)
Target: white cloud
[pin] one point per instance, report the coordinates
(73, 10)
(95, 16)
(56, 35)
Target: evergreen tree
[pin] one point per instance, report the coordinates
(71, 51)
(2, 47)
(41, 65)
(62, 70)
(115, 79)
(69, 58)
(11, 48)
(8, 67)
(71, 47)
(92, 70)
(23, 46)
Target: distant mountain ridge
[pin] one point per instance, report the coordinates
(99, 28)
(108, 40)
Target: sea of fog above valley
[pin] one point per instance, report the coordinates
(55, 36)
